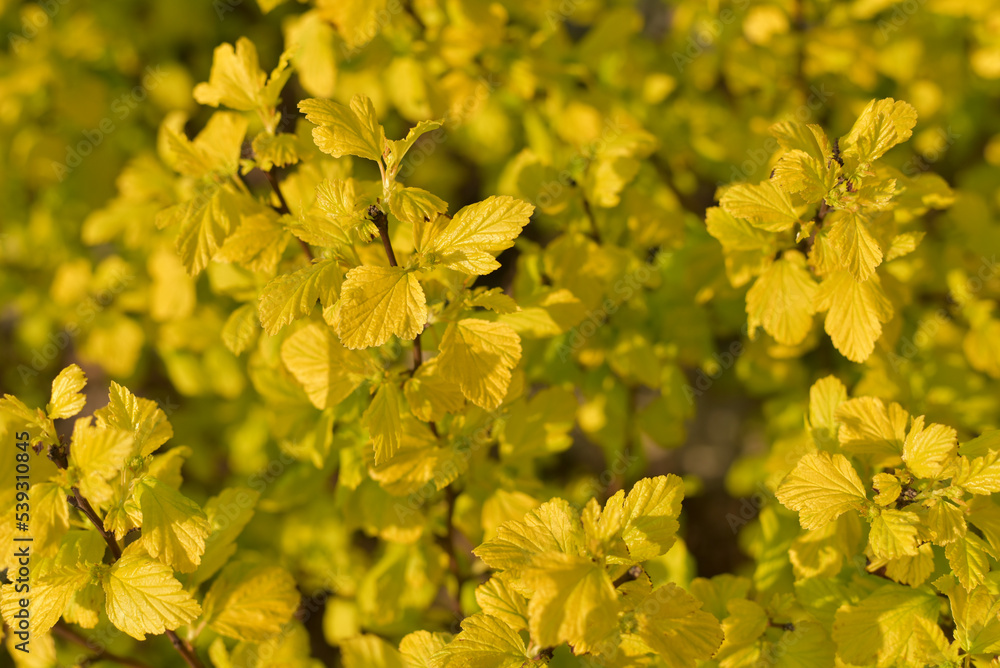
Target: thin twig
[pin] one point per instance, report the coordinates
(382, 225)
(81, 504)
(66, 633)
(283, 209)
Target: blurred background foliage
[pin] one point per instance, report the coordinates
(649, 106)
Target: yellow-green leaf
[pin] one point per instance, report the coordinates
(855, 315)
(67, 396)
(251, 602)
(174, 527)
(782, 300)
(478, 232)
(485, 642)
(291, 296)
(328, 371)
(858, 249)
(479, 356)
(765, 205)
(342, 130)
(927, 451)
(377, 303)
(143, 596)
(382, 419)
(822, 487)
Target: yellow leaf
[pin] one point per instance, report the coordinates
(969, 557)
(856, 313)
(821, 488)
(485, 642)
(342, 130)
(858, 249)
(825, 396)
(382, 419)
(416, 206)
(894, 534)
(498, 598)
(882, 125)
(880, 630)
(980, 475)
(795, 136)
(573, 602)
(341, 203)
(420, 462)
(477, 232)
(97, 454)
(236, 80)
(399, 148)
(765, 205)
(799, 172)
(430, 395)
(887, 488)
(671, 623)
(257, 244)
(328, 371)
(143, 596)
(216, 149)
(142, 417)
(418, 648)
(927, 451)
(868, 428)
(251, 602)
(782, 300)
(276, 150)
(227, 514)
(552, 527)
(650, 514)
(51, 590)
(377, 303)
(67, 397)
(174, 527)
(478, 356)
(292, 296)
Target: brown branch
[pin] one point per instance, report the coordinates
(81, 504)
(66, 633)
(184, 648)
(283, 209)
(447, 542)
(382, 225)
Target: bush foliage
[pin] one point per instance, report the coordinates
(471, 334)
